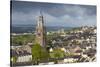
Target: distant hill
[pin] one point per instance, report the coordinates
(32, 28)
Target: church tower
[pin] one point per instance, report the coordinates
(40, 31)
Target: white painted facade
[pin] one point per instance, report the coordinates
(25, 58)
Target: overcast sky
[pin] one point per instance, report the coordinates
(54, 14)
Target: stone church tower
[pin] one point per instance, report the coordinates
(40, 31)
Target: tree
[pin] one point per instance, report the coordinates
(56, 54)
(14, 59)
(39, 54)
(22, 39)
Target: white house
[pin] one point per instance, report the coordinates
(24, 58)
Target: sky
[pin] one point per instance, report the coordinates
(70, 15)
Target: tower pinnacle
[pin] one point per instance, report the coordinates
(41, 13)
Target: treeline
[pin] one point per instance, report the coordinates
(22, 39)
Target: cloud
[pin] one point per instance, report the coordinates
(20, 17)
(54, 14)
